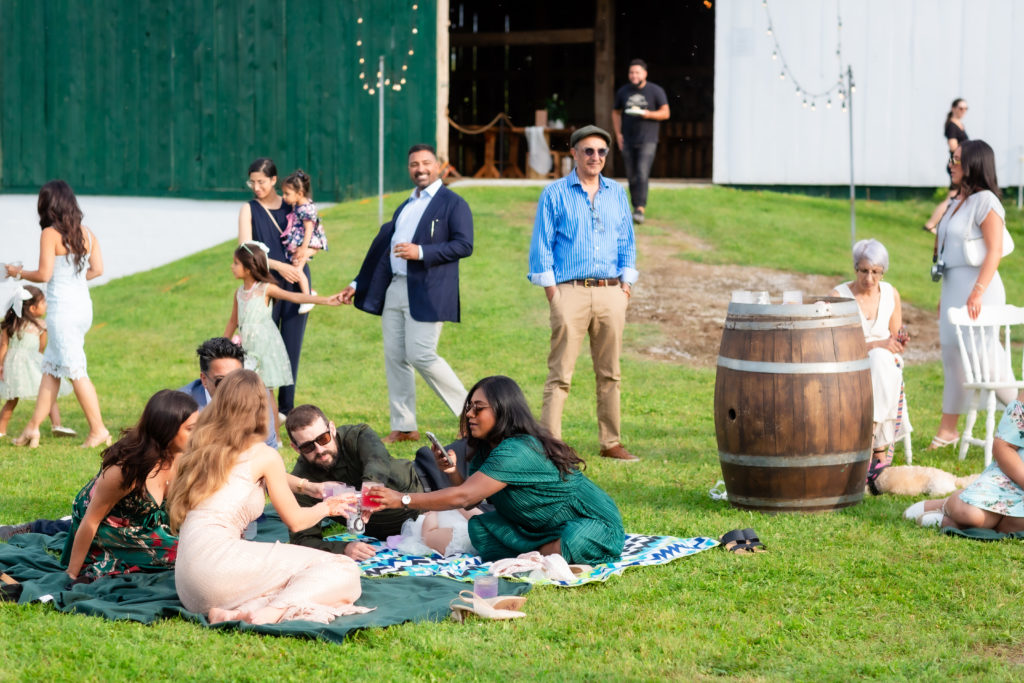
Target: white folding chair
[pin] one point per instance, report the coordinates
(988, 366)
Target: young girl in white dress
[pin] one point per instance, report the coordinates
(251, 316)
(22, 341)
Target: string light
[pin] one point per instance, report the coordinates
(808, 98)
(383, 82)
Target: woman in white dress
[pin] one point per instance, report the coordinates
(881, 316)
(69, 256)
(974, 212)
(222, 482)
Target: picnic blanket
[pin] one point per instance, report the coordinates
(976, 534)
(147, 597)
(639, 551)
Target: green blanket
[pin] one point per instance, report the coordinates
(151, 596)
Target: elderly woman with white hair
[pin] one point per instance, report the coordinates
(881, 317)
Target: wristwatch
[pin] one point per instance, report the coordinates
(406, 499)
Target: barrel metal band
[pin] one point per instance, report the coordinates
(781, 324)
(770, 368)
(802, 503)
(825, 460)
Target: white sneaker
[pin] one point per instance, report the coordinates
(306, 308)
(931, 518)
(914, 511)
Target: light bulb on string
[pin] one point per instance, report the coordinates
(405, 67)
(415, 30)
(359, 43)
(782, 75)
(387, 81)
(813, 107)
(828, 104)
(853, 88)
(402, 81)
(362, 61)
(775, 55)
(411, 53)
(372, 91)
(415, 7)
(797, 93)
(768, 31)
(804, 105)
(359, 20)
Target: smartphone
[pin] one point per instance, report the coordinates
(444, 453)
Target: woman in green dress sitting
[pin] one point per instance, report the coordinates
(541, 498)
(118, 521)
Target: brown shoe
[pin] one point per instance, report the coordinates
(617, 452)
(396, 436)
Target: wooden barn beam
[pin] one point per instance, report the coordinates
(566, 36)
(604, 64)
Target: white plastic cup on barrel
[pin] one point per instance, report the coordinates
(742, 296)
(792, 296)
(486, 586)
(763, 298)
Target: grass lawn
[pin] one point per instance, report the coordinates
(855, 594)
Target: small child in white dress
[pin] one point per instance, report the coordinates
(251, 316)
(22, 341)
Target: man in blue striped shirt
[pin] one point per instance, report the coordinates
(584, 256)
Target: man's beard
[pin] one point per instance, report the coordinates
(326, 467)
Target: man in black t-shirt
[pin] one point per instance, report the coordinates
(644, 104)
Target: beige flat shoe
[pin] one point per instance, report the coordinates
(469, 602)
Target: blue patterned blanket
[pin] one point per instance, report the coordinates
(639, 551)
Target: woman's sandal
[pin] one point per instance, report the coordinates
(500, 607)
(742, 542)
(938, 442)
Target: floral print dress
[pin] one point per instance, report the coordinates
(135, 536)
(993, 490)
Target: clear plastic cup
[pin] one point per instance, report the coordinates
(365, 497)
(486, 586)
(742, 296)
(763, 298)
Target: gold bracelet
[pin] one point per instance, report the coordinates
(978, 285)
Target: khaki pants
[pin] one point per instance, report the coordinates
(577, 311)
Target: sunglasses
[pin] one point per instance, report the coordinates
(600, 151)
(310, 446)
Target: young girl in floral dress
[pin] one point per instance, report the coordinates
(304, 235)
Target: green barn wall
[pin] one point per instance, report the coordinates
(150, 97)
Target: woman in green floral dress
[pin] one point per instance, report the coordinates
(118, 521)
(541, 498)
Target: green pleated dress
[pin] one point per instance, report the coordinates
(538, 506)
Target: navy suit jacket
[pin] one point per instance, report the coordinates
(445, 233)
(196, 390)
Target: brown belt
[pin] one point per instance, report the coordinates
(593, 282)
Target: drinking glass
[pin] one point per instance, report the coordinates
(365, 500)
(486, 586)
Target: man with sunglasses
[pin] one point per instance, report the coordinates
(583, 254)
(218, 357)
(350, 454)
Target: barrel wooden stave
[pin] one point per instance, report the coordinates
(814, 427)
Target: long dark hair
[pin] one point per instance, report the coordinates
(12, 324)
(952, 108)
(979, 164)
(255, 261)
(58, 209)
(512, 417)
(144, 447)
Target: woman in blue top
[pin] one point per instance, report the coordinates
(541, 498)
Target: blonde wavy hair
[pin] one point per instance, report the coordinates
(235, 419)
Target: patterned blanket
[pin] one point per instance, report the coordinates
(639, 551)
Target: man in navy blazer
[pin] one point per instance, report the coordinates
(217, 358)
(410, 277)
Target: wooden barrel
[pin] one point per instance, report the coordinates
(793, 406)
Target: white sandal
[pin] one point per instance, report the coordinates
(469, 602)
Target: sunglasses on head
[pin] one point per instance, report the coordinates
(310, 446)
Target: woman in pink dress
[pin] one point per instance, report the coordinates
(223, 479)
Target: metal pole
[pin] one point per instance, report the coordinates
(380, 141)
(1020, 181)
(853, 200)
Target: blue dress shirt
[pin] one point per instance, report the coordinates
(575, 239)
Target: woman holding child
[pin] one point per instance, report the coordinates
(263, 219)
(542, 499)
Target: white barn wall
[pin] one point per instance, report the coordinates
(910, 58)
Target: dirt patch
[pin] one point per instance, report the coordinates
(688, 301)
